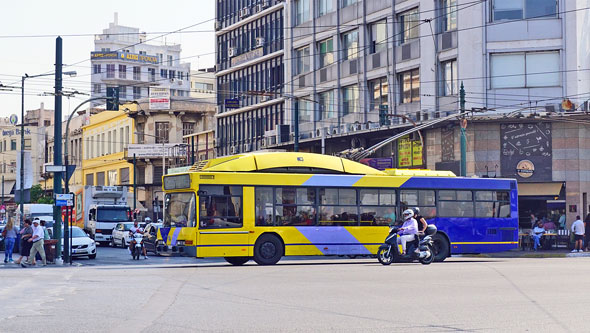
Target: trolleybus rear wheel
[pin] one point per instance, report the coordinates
(268, 250)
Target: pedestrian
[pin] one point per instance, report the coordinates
(37, 241)
(25, 249)
(587, 224)
(533, 220)
(578, 230)
(10, 232)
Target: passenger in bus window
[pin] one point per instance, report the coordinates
(390, 216)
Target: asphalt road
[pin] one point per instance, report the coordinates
(115, 293)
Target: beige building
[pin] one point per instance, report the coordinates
(203, 84)
(40, 117)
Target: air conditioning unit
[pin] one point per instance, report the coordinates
(245, 12)
(179, 82)
(334, 130)
(232, 150)
(217, 25)
(344, 128)
(265, 4)
(265, 98)
(263, 142)
(247, 147)
(358, 126)
(231, 52)
(258, 7)
(259, 41)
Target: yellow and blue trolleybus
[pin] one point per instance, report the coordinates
(264, 206)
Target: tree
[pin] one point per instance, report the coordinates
(38, 195)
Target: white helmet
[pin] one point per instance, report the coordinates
(408, 213)
(148, 220)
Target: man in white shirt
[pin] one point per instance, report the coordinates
(578, 230)
(37, 239)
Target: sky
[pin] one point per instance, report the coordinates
(36, 55)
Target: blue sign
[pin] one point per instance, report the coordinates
(61, 203)
(232, 103)
(379, 163)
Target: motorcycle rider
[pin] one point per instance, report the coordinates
(136, 228)
(408, 230)
(422, 225)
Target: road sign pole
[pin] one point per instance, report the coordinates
(57, 140)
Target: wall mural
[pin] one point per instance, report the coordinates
(526, 151)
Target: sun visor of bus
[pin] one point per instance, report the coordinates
(266, 161)
(359, 169)
(233, 163)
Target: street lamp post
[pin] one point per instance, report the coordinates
(163, 168)
(22, 137)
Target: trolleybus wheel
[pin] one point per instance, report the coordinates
(237, 261)
(441, 248)
(268, 250)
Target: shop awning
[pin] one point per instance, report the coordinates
(8, 185)
(539, 189)
(138, 206)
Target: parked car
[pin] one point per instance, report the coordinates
(150, 239)
(82, 244)
(121, 234)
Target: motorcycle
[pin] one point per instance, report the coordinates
(136, 245)
(389, 251)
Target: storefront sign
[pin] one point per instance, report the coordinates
(232, 103)
(159, 98)
(156, 150)
(143, 58)
(245, 57)
(416, 153)
(15, 132)
(525, 168)
(409, 153)
(13, 119)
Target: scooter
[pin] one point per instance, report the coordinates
(136, 245)
(389, 252)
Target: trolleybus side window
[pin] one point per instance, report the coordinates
(338, 207)
(377, 207)
(220, 206)
(423, 199)
(180, 210)
(294, 206)
(452, 203)
(264, 206)
(492, 204)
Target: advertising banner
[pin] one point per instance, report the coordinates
(159, 98)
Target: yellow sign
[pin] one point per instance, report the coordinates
(416, 153)
(404, 152)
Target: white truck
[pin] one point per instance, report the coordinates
(104, 207)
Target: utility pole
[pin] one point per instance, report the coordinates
(296, 129)
(57, 189)
(134, 184)
(22, 153)
(463, 123)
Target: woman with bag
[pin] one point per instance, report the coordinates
(26, 233)
(9, 233)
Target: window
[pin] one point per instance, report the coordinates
(295, 206)
(143, 52)
(110, 71)
(180, 210)
(449, 15)
(520, 70)
(324, 7)
(326, 48)
(327, 107)
(112, 178)
(187, 129)
(96, 69)
(152, 73)
(378, 32)
(455, 203)
(220, 206)
(378, 93)
(13, 144)
(170, 61)
(338, 207)
(346, 3)
(523, 9)
(302, 10)
(160, 58)
(350, 44)
(96, 88)
(409, 25)
(306, 108)
(492, 204)
(377, 206)
(136, 92)
(302, 60)
(162, 132)
(109, 143)
(127, 137)
(410, 86)
(163, 73)
(100, 178)
(89, 179)
(450, 78)
(122, 71)
(350, 98)
(122, 92)
(423, 199)
(136, 73)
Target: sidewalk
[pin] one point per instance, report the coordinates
(517, 253)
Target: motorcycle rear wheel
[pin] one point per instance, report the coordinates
(428, 260)
(385, 256)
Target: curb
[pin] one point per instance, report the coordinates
(528, 255)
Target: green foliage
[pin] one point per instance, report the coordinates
(38, 195)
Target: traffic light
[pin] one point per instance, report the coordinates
(383, 119)
(113, 98)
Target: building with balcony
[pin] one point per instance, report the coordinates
(122, 58)
(250, 73)
(203, 84)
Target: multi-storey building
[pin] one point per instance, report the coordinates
(39, 117)
(203, 84)
(123, 58)
(250, 72)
